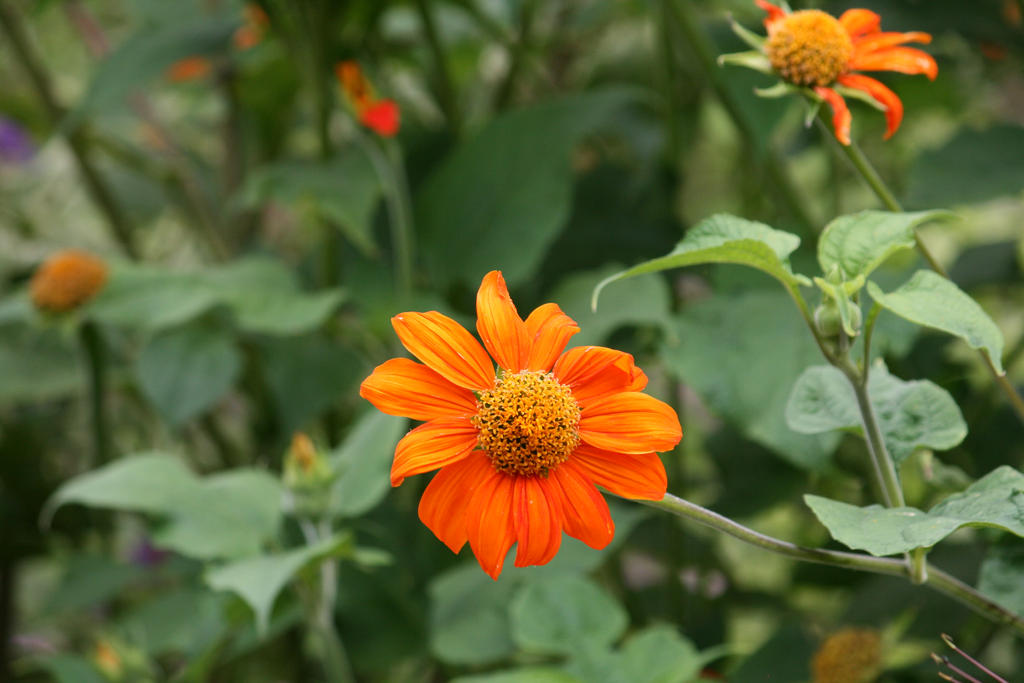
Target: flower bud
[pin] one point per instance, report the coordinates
(67, 280)
(308, 477)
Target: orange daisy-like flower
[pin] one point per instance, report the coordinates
(67, 280)
(813, 49)
(379, 115)
(522, 449)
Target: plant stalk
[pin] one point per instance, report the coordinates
(96, 362)
(446, 94)
(936, 579)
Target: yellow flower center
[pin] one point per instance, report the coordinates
(528, 423)
(809, 48)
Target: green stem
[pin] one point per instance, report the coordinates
(96, 361)
(527, 12)
(881, 190)
(683, 15)
(869, 330)
(334, 657)
(97, 188)
(390, 169)
(936, 579)
(445, 87)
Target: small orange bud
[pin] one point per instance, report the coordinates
(303, 451)
(189, 69)
(67, 280)
(381, 117)
(107, 660)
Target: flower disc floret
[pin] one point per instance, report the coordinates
(528, 424)
(809, 48)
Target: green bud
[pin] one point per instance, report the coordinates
(308, 477)
(827, 320)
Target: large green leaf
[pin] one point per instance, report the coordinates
(660, 655)
(363, 463)
(643, 301)
(1002, 576)
(261, 294)
(974, 166)
(859, 243)
(229, 514)
(742, 354)
(344, 190)
(565, 614)
(911, 415)
(258, 580)
(995, 500)
(725, 239)
(184, 371)
(502, 197)
(469, 616)
(933, 301)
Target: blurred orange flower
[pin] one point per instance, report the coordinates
(67, 280)
(813, 49)
(521, 450)
(248, 35)
(379, 115)
(189, 69)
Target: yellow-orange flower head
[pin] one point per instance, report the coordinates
(809, 48)
(529, 423)
(520, 449)
(852, 655)
(67, 280)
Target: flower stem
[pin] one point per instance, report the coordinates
(446, 95)
(936, 578)
(96, 360)
(390, 169)
(333, 655)
(881, 190)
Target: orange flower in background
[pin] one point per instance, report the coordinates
(813, 49)
(67, 280)
(379, 115)
(522, 449)
(248, 35)
(189, 69)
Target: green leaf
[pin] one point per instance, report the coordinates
(725, 239)
(974, 166)
(933, 301)
(643, 301)
(363, 463)
(996, 500)
(658, 654)
(911, 415)
(859, 243)
(469, 623)
(224, 515)
(65, 668)
(565, 614)
(530, 674)
(501, 198)
(1002, 576)
(344, 190)
(259, 580)
(261, 293)
(38, 364)
(184, 371)
(145, 56)
(184, 620)
(748, 379)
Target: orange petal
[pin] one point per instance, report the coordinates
(382, 117)
(858, 22)
(640, 476)
(594, 371)
(537, 518)
(405, 388)
(446, 498)
(445, 347)
(548, 330)
(878, 41)
(585, 512)
(888, 99)
(907, 60)
(630, 422)
(840, 113)
(774, 12)
(499, 325)
(432, 445)
(489, 525)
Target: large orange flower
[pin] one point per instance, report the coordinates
(520, 449)
(812, 49)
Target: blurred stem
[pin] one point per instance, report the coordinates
(667, 53)
(683, 14)
(386, 158)
(230, 454)
(878, 186)
(936, 578)
(445, 87)
(334, 657)
(96, 362)
(527, 12)
(102, 196)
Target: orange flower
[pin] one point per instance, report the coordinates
(812, 49)
(250, 33)
(379, 115)
(189, 69)
(67, 280)
(520, 450)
